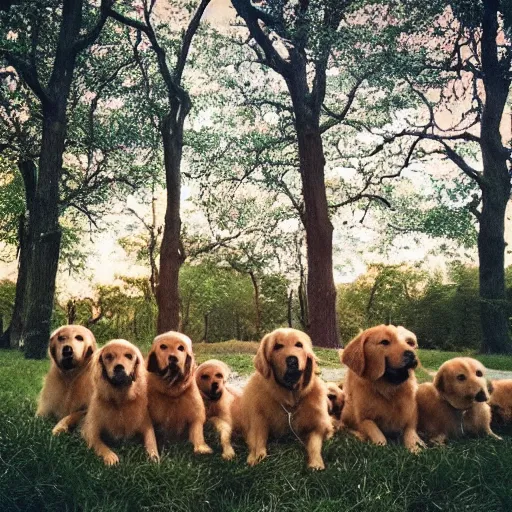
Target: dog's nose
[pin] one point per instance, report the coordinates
(215, 386)
(118, 368)
(481, 396)
(292, 362)
(67, 351)
(173, 359)
(409, 356)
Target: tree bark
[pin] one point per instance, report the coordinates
(171, 258)
(495, 192)
(290, 311)
(14, 332)
(257, 307)
(45, 233)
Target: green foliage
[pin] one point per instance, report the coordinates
(7, 293)
(443, 311)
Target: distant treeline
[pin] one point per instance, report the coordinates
(220, 304)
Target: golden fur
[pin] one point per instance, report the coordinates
(455, 404)
(67, 386)
(175, 403)
(501, 401)
(380, 385)
(119, 405)
(336, 402)
(284, 392)
(218, 397)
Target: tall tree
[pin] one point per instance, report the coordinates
(52, 89)
(171, 120)
(469, 63)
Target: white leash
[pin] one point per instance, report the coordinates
(290, 414)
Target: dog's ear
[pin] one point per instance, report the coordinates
(261, 362)
(135, 369)
(353, 354)
(53, 352)
(189, 367)
(439, 382)
(152, 365)
(308, 372)
(490, 387)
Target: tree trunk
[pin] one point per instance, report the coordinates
(44, 235)
(14, 332)
(171, 257)
(495, 193)
(257, 306)
(321, 293)
(290, 311)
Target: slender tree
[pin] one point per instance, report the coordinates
(170, 124)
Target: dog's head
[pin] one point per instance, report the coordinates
(336, 397)
(119, 364)
(211, 377)
(384, 351)
(461, 382)
(287, 356)
(171, 358)
(71, 346)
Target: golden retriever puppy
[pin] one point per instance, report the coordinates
(218, 397)
(455, 404)
(67, 386)
(175, 403)
(501, 401)
(284, 396)
(380, 385)
(119, 403)
(336, 402)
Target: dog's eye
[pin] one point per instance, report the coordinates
(278, 346)
(109, 357)
(411, 343)
(128, 356)
(461, 377)
(218, 375)
(331, 397)
(163, 347)
(205, 377)
(479, 373)
(79, 338)
(299, 344)
(385, 342)
(61, 338)
(181, 348)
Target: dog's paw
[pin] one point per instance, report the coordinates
(255, 458)
(59, 429)
(154, 457)
(228, 453)
(110, 459)
(495, 436)
(317, 465)
(202, 449)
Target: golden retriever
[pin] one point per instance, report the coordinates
(175, 403)
(119, 404)
(380, 385)
(501, 401)
(455, 404)
(67, 386)
(218, 397)
(336, 402)
(284, 395)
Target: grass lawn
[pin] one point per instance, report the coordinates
(41, 472)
